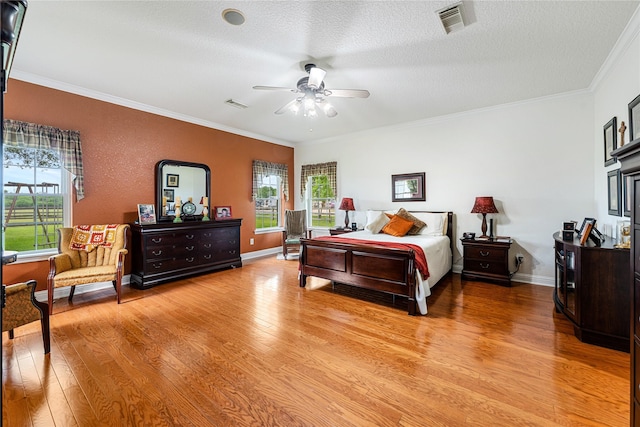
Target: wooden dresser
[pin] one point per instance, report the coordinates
(592, 290)
(629, 157)
(169, 251)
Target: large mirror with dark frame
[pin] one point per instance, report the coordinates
(183, 181)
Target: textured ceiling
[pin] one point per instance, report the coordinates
(179, 58)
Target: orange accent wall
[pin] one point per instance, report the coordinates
(120, 148)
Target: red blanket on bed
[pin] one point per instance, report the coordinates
(421, 259)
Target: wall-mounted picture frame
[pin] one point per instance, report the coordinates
(613, 189)
(146, 214)
(408, 187)
(169, 195)
(610, 141)
(634, 119)
(626, 195)
(173, 180)
(222, 212)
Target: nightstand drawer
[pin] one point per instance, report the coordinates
(485, 267)
(485, 253)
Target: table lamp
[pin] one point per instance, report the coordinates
(347, 205)
(484, 205)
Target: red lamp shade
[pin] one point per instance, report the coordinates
(484, 205)
(347, 204)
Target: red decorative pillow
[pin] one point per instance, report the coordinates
(397, 226)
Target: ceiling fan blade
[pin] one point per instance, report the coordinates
(288, 106)
(347, 93)
(316, 75)
(274, 88)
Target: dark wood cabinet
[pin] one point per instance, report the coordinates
(592, 290)
(629, 157)
(486, 260)
(169, 251)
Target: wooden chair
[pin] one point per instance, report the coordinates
(72, 267)
(20, 307)
(295, 228)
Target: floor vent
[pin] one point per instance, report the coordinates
(235, 104)
(451, 18)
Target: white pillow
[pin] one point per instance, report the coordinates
(436, 223)
(372, 215)
(376, 224)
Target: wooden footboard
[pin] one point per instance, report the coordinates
(382, 269)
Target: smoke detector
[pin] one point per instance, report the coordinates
(452, 17)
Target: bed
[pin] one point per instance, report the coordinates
(382, 262)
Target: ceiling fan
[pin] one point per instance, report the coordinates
(312, 94)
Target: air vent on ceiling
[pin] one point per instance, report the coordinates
(235, 104)
(452, 18)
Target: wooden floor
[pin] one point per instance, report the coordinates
(248, 347)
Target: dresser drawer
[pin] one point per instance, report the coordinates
(485, 253)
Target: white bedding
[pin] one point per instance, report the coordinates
(437, 250)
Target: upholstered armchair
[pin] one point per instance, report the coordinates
(20, 307)
(79, 264)
(295, 228)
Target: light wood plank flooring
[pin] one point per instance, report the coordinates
(248, 347)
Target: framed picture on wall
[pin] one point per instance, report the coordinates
(610, 141)
(613, 188)
(634, 119)
(173, 180)
(626, 195)
(169, 195)
(408, 187)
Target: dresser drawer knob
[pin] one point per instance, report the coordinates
(208, 245)
(157, 253)
(484, 266)
(483, 253)
(156, 239)
(190, 259)
(207, 256)
(190, 248)
(157, 265)
(190, 236)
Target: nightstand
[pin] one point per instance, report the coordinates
(340, 230)
(487, 259)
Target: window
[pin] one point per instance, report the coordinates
(33, 199)
(318, 184)
(270, 187)
(268, 203)
(39, 165)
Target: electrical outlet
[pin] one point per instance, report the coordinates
(519, 260)
(251, 241)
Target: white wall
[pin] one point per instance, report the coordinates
(542, 160)
(618, 84)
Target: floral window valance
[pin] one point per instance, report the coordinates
(66, 142)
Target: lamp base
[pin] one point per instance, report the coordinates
(346, 220)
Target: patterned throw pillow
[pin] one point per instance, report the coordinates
(397, 226)
(417, 224)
